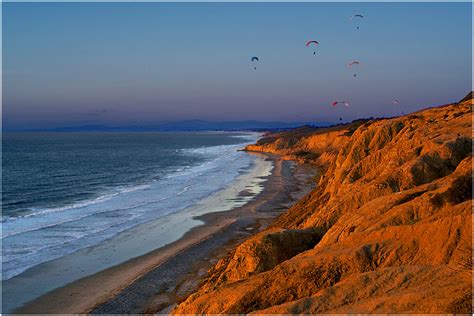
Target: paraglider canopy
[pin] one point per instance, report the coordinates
(342, 102)
(396, 101)
(315, 43)
(358, 16)
(352, 63)
(254, 59)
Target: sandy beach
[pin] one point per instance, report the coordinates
(156, 281)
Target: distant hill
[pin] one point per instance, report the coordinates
(191, 125)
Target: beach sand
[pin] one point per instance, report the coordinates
(154, 282)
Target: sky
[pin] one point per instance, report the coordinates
(69, 64)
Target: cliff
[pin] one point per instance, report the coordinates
(307, 144)
(387, 229)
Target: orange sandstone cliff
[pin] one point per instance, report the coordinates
(387, 229)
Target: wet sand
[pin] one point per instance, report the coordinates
(157, 280)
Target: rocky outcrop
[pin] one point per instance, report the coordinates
(307, 144)
(387, 229)
(468, 98)
(262, 253)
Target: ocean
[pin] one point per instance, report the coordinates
(63, 192)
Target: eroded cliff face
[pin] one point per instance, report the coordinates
(387, 229)
(317, 145)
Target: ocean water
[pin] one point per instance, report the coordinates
(63, 192)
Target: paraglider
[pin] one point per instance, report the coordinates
(254, 59)
(352, 63)
(396, 101)
(315, 43)
(356, 17)
(342, 102)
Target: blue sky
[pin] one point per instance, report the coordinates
(139, 63)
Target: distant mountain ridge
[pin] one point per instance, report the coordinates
(190, 125)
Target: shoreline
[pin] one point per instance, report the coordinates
(220, 232)
(140, 239)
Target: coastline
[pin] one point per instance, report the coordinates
(188, 258)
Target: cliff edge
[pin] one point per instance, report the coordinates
(388, 228)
